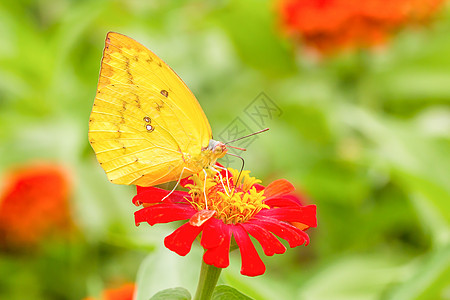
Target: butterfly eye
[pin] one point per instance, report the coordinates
(165, 93)
(149, 128)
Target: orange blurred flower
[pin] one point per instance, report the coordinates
(124, 292)
(330, 25)
(34, 204)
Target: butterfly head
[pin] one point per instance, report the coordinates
(214, 151)
(217, 148)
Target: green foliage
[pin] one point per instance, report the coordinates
(224, 292)
(164, 270)
(172, 294)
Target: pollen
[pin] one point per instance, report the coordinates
(233, 202)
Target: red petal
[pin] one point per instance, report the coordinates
(155, 195)
(259, 187)
(252, 264)
(213, 233)
(302, 214)
(200, 217)
(219, 256)
(270, 244)
(278, 187)
(294, 236)
(185, 181)
(180, 241)
(163, 213)
(140, 189)
(282, 201)
(219, 164)
(296, 197)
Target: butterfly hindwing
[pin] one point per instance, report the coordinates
(145, 121)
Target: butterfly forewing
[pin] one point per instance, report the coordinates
(145, 121)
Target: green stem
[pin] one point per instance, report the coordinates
(209, 275)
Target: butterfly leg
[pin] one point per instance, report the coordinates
(204, 190)
(178, 182)
(221, 178)
(226, 172)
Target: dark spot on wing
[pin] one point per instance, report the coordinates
(149, 127)
(159, 106)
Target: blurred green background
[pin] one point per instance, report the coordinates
(364, 135)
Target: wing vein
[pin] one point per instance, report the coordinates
(136, 152)
(166, 130)
(143, 86)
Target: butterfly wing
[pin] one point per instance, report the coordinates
(145, 123)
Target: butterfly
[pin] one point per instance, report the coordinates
(146, 127)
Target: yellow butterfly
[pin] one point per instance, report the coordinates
(146, 126)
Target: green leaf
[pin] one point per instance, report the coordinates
(178, 293)
(225, 292)
(164, 269)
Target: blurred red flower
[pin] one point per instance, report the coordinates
(124, 292)
(34, 204)
(232, 210)
(330, 25)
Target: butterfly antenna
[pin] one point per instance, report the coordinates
(238, 148)
(246, 136)
(240, 172)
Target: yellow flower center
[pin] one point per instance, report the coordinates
(233, 203)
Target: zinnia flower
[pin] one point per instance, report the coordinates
(34, 204)
(233, 209)
(124, 292)
(329, 25)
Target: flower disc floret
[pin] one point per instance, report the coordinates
(233, 203)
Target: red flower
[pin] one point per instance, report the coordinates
(329, 25)
(124, 292)
(232, 210)
(34, 204)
